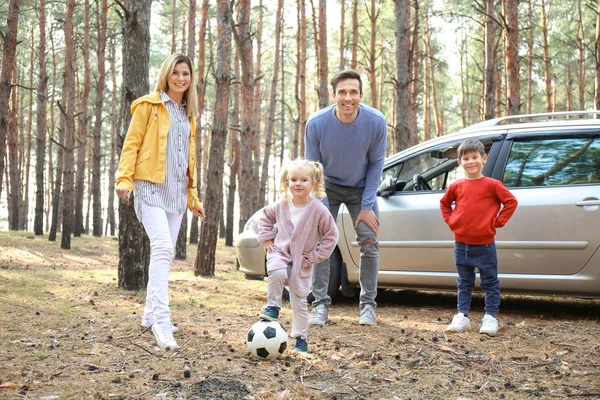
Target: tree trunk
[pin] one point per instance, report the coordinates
(14, 170)
(581, 79)
(194, 231)
(301, 72)
(244, 43)
(134, 246)
(205, 256)
(342, 65)
(402, 133)
(413, 72)
(181, 242)
(530, 44)
(546, 50)
(597, 50)
(58, 170)
(191, 43)
(271, 112)
(97, 153)
(115, 127)
(373, 17)
(234, 154)
(69, 160)
(354, 61)
(40, 154)
(82, 116)
(24, 212)
(9, 49)
(489, 93)
(323, 70)
(513, 84)
(173, 25)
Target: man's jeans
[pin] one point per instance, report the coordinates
(483, 257)
(369, 250)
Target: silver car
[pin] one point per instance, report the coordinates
(551, 245)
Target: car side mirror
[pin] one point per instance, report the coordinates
(387, 187)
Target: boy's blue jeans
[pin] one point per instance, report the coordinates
(483, 257)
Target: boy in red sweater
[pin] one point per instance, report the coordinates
(474, 220)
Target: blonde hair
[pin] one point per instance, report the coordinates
(162, 84)
(315, 170)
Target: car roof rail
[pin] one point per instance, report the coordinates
(522, 118)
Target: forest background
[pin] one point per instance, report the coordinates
(71, 68)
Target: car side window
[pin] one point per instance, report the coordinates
(553, 162)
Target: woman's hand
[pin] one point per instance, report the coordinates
(123, 194)
(199, 212)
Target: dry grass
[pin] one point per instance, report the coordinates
(67, 331)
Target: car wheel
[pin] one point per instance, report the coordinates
(335, 276)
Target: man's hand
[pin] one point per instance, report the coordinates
(269, 246)
(123, 194)
(369, 218)
(199, 212)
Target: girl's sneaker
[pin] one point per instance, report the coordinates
(300, 346)
(271, 313)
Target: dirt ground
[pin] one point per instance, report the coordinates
(68, 332)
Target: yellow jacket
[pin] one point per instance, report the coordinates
(144, 151)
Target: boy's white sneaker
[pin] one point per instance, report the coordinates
(163, 333)
(459, 323)
(489, 325)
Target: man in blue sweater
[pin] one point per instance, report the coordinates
(349, 139)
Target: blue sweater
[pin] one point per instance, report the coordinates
(351, 154)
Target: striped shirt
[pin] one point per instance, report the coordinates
(170, 195)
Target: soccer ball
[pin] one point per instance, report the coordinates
(267, 340)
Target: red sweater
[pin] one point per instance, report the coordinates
(477, 202)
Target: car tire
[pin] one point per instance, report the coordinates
(335, 276)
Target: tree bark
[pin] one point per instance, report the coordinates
(115, 127)
(301, 72)
(271, 112)
(9, 49)
(40, 154)
(134, 246)
(354, 61)
(194, 230)
(82, 119)
(342, 35)
(234, 154)
(581, 81)
(402, 133)
(205, 256)
(489, 91)
(323, 70)
(14, 170)
(597, 51)
(546, 52)
(530, 43)
(244, 42)
(69, 144)
(97, 153)
(373, 17)
(24, 212)
(513, 84)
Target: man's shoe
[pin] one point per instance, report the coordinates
(300, 346)
(271, 313)
(163, 332)
(319, 315)
(489, 325)
(459, 323)
(367, 316)
(147, 323)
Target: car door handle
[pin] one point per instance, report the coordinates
(588, 203)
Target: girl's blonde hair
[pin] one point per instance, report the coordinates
(166, 69)
(315, 170)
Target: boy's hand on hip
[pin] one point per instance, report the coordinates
(369, 218)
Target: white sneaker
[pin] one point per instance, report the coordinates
(489, 325)
(163, 332)
(367, 316)
(459, 323)
(147, 323)
(319, 315)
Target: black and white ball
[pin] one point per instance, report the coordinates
(267, 340)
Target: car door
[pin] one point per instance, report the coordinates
(413, 238)
(555, 177)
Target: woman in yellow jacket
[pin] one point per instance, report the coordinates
(158, 163)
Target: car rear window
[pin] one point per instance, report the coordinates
(553, 162)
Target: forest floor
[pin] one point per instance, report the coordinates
(67, 331)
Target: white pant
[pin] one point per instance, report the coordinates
(162, 229)
(299, 305)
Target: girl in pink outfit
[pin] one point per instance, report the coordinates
(305, 235)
